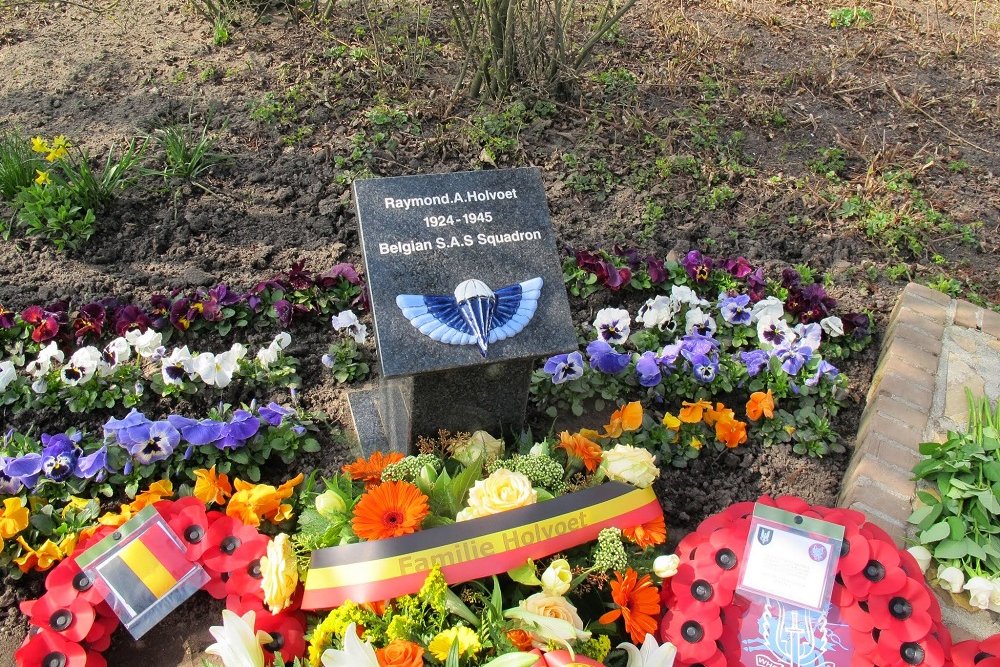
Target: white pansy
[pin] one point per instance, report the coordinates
(282, 340)
(771, 307)
(772, 332)
(659, 312)
(347, 321)
(268, 355)
(687, 296)
(43, 362)
(236, 643)
(833, 326)
(7, 374)
(666, 566)
(40, 386)
(145, 342)
(81, 366)
(216, 370)
(613, 325)
(696, 320)
(238, 350)
(355, 653)
(651, 654)
(951, 579)
(116, 352)
(921, 555)
(177, 366)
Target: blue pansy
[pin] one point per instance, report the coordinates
(273, 413)
(736, 309)
(563, 367)
(606, 359)
(648, 370)
(755, 361)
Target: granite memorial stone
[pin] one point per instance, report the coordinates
(466, 291)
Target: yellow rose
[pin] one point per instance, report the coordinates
(480, 445)
(632, 465)
(551, 606)
(557, 577)
(330, 503)
(502, 491)
(279, 572)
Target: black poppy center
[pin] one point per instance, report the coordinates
(54, 659)
(276, 644)
(982, 655)
(82, 582)
(61, 619)
(230, 544)
(874, 571)
(701, 590)
(845, 548)
(253, 569)
(692, 632)
(912, 653)
(900, 608)
(194, 534)
(726, 559)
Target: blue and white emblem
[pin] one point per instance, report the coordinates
(475, 315)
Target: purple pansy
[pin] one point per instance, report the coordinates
(236, 433)
(704, 367)
(563, 367)
(647, 369)
(823, 369)
(160, 444)
(273, 413)
(755, 361)
(604, 358)
(698, 267)
(736, 309)
(197, 432)
(133, 429)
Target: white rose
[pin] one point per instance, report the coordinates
(980, 591)
(833, 326)
(922, 556)
(951, 579)
(666, 566)
(995, 596)
(771, 307)
(633, 465)
(557, 577)
(551, 606)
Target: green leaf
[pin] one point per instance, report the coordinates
(950, 549)
(525, 574)
(925, 512)
(935, 533)
(989, 501)
(974, 549)
(957, 526)
(452, 660)
(513, 660)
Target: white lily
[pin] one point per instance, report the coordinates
(236, 644)
(355, 653)
(550, 629)
(651, 654)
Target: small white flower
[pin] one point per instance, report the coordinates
(980, 591)
(40, 386)
(116, 352)
(695, 320)
(771, 307)
(7, 374)
(43, 362)
(145, 342)
(81, 366)
(666, 566)
(922, 556)
(772, 332)
(216, 370)
(267, 356)
(612, 325)
(348, 321)
(177, 366)
(951, 579)
(833, 326)
(659, 312)
(650, 654)
(238, 351)
(282, 340)
(236, 643)
(355, 653)
(687, 296)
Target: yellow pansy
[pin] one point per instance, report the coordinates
(13, 518)
(41, 559)
(671, 422)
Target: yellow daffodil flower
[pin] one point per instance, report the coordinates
(42, 177)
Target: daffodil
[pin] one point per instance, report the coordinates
(236, 643)
(42, 177)
(39, 145)
(355, 653)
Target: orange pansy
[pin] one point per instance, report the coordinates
(760, 404)
(649, 534)
(390, 509)
(720, 411)
(156, 492)
(692, 413)
(638, 603)
(370, 471)
(626, 418)
(211, 488)
(731, 432)
(253, 502)
(580, 447)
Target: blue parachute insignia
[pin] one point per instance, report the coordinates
(475, 314)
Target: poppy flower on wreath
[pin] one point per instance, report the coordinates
(245, 581)
(727, 517)
(694, 636)
(217, 584)
(881, 575)
(46, 648)
(905, 613)
(287, 631)
(720, 558)
(689, 544)
(190, 522)
(855, 551)
(99, 637)
(72, 621)
(697, 587)
(67, 582)
(231, 544)
(894, 651)
(973, 653)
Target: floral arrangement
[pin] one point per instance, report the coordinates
(72, 620)
(720, 335)
(287, 296)
(56, 480)
(958, 506)
(889, 614)
(121, 372)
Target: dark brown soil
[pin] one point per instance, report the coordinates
(698, 124)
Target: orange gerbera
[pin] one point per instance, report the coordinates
(760, 404)
(390, 509)
(579, 446)
(210, 487)
(638, 603)
(692, 413)
(649, 534)
(626, 418)
(731, 432)
(370, 471)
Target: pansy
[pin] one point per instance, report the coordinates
(240, 428)
(273, 413)
(613, 325)
(755, 361)
(132, 429)
(704, 367)
(94, 465)
(6, 318)
(656, 270)
(81, 367)
(283, 311)
(659, 312)
(145, 343)
(647, 370)
(698, 266)
(268, 355)
(563, 367)
(832, 326)
(7, 374)
(738, 268)
(697, 321)
(218, 369)
(89, 321)
(42, 364)
(756, 285)
(604, 358)
(348, 322)
(177, 366)
(809, 335)
(824, 369)
(114, 353)
(198, 431)
(768, 308)
(160, 444)
(45, 323)
(736, 309)
(772, 332)
(793, 356)
(687, 296)
(131, 318)
(10, 485)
